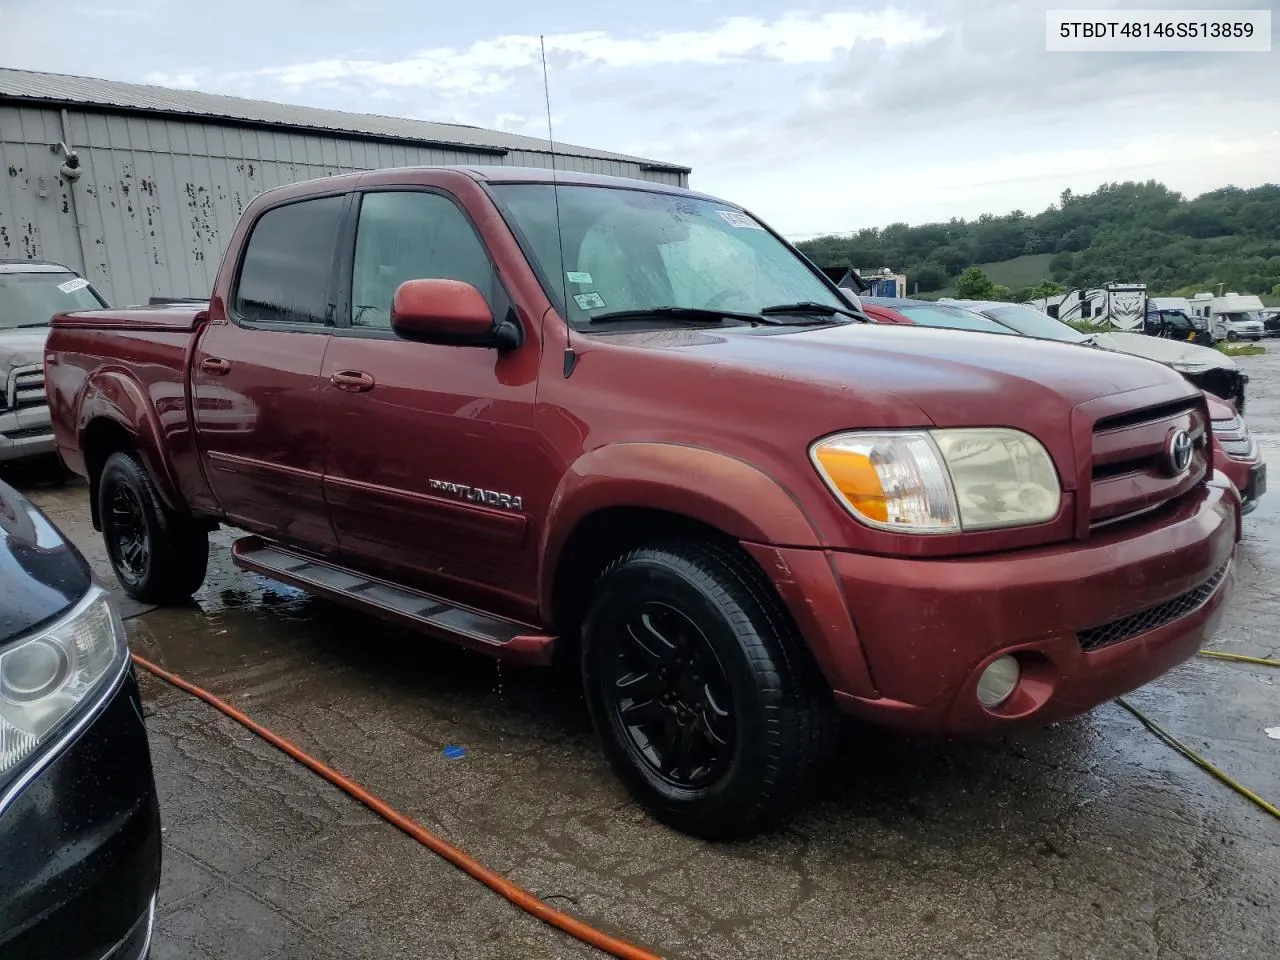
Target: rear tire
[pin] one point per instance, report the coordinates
(157, 556)
(709, 707)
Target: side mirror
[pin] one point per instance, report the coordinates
(449, 312)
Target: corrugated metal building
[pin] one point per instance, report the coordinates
(165, 174)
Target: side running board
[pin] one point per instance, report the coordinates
(506, 639)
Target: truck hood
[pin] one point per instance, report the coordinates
(21, 348)
(1175, 353)
(952, 377)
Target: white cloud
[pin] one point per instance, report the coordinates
(486, 66)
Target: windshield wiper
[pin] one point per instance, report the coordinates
(809, 306)
(688, 314)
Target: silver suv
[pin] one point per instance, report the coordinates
(31, 292)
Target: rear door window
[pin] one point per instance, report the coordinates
(287, 272)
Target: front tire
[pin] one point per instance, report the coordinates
(158, 557)
(709, 707)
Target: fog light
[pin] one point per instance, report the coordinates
(998, 681)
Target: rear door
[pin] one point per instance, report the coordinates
(432, 449)
(256, 376)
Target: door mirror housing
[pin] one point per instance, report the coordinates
(449, 312)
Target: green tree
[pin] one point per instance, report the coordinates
(1000, 292)
(1046, 288)
(974, 284)
(927, 277)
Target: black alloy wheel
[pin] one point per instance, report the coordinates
(671, 695)
(158, 555)
(707, 702)
(128, 542)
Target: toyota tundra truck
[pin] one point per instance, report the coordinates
(554, 415)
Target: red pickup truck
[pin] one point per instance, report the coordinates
(627, 423)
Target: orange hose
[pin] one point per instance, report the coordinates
(494, 881)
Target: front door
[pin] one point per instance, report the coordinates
(256, 377)
(431, 448)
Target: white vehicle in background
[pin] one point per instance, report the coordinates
(1233, 316)
(31, 292)
(1120, 306)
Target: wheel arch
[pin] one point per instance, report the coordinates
(621, 495)
(116, 415)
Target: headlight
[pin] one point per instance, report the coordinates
(45, 678)
(941, 481)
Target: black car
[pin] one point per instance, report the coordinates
(79, 819)
(1175, 325)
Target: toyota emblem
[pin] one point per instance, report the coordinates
(1180, 450)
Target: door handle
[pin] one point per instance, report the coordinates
(215, 366)
(353, 381)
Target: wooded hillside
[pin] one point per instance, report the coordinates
(1138, 232)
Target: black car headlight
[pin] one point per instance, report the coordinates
(56, 675)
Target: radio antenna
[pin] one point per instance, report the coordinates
(569, 357)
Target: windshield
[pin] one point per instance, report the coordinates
(953, 318)
(31, 299)
(1032, 323)
(627, 250)
(1239, 317)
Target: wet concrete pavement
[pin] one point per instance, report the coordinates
(1088, 840)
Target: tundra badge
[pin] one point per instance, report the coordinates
(489, 498)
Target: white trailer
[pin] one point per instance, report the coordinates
(1121, 306)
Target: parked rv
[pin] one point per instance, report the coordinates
(1232, 316)
(1120, 306)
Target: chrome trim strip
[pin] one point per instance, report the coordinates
(45, 755)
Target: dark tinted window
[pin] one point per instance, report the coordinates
(285, 274)
(411, 235)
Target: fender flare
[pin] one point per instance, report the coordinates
(721, 491)
(111, 393)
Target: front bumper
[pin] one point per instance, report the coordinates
(914, 635)
(25, 433)
(1249, 477)
(80, 845)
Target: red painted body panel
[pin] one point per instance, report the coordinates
(713, 425)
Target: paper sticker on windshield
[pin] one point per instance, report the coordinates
(574, 277)
(71, 286)
(735, 219)
(588, 301)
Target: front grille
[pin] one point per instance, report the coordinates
(26, 388)
(1131, 470)
(1126, 628)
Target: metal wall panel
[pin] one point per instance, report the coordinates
(158, 198)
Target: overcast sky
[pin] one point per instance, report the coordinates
(821, 116)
